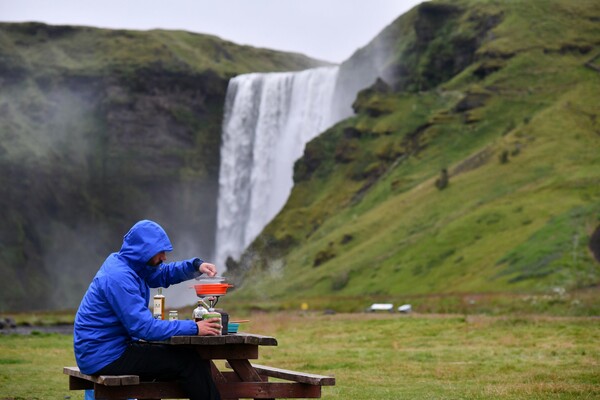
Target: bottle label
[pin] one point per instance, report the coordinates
(158, 306)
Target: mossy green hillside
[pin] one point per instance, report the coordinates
(91, 51)
(519, 142)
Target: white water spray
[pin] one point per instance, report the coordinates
(269, 117)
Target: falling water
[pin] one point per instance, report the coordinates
(269, 117)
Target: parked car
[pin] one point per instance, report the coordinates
(389, 307)
(405, 308)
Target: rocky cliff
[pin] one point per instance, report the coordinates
(425, 47)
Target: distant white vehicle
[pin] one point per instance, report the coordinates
(389, 307)
(405, 308)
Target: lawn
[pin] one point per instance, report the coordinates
(379, 356)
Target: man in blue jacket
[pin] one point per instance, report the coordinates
(114, 315)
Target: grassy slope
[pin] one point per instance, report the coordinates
(516, 226)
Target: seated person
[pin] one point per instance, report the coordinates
(114, 316)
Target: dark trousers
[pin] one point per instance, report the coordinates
(164, 362)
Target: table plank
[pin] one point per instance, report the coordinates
(231, 351)
(261, 340)
(235, 338)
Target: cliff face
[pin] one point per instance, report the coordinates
(102, 128)
(421, 49)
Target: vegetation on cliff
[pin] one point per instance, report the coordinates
(471, 167)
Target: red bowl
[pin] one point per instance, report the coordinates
(214, 288)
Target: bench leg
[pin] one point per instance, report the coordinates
(245, 371)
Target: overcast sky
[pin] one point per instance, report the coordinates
(329, 30)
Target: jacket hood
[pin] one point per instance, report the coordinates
(143, 241)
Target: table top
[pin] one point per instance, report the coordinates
(234, 338)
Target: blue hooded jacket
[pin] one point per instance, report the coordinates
(114, 310)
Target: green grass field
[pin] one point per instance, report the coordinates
(383, 356)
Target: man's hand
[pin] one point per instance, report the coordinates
(208, 269)
(209, 327)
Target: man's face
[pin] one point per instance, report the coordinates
(158, 259)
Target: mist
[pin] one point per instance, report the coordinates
(84, 157)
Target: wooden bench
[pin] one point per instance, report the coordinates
(121, 386)
(305, 385)
(295, 376)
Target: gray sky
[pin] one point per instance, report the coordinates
(329, 30)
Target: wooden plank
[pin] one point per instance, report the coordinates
(230, 390)
(236, 338)
(216, 374)
(76, 383)
(251, 338)
(244, 370)
(231, 376)
(107, 380)
(73, 371)
(145, 390)
(246, 373)
(302, 377)
(179, 340)
(214, 340)
(130, 380)
(232, 351)
(118, 380)
(268, 390)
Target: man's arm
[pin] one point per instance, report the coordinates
(174, 272)
(180, 271)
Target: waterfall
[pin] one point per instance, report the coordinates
(269, 117)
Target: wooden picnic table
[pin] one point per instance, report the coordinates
(244, 380)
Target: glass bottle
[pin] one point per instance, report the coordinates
(159, 305)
